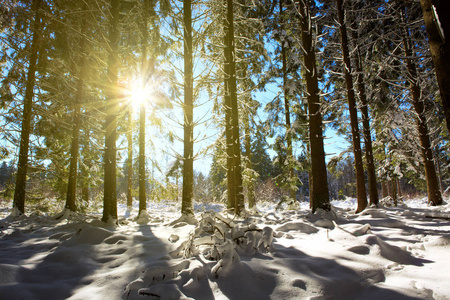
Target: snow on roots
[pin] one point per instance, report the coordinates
(212, 250)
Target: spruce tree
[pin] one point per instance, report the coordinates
(187, 206)
(319, 193)
(435, 14)
(111, 110)
(360, 181)
(433, 188)
(230, 77)
(22, 165)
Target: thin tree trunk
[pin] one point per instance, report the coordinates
(187, 206)
(439, 170)
(287, 113)
(142, 114)
(248, 153)
(399, 190)
(142, 186)
(360, 182)
(85, 177)
(394, 195)
(178, 192)
(318, 192)
(74, 148)
(130, 158)
(22, 165)
(75, 145)
(231, 76)
(373, 190)
(436, 15)
(384, 189)
(434, 192)
(110, 196)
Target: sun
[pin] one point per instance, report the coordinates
(138, 95)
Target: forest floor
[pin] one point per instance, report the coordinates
(382, 253)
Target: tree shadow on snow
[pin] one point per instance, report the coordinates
(70, 258)
(327, 279)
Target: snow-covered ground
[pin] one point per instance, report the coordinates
(385, 253)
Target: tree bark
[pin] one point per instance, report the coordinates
(85, 177)
(287, 113)
(360, 182)
(142, 186)
(232, 87)
(434, 192)
(248, 153)
(373, 190)
(142, 114)
(74, 149)
(384, 189)
(318, 192)
(110, 196)
(75, 144)
(187, 206)
(130, 158)
(436, 15)
(231, 189)
(22, 165)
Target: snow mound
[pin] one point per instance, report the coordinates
(443, 241)
(297, 226)
(89, 235)
(391, 252)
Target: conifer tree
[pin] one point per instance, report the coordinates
(231, 92)
(360, 182)
(287, 110)
(111, 109)
(364, 107)
(130, 157)
(21, 176)
(74, 147)
(187, 206)
(433, 189)
(435, 14)
(319, 193)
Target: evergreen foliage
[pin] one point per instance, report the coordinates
(254, 85)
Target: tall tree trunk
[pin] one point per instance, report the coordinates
(287, 113)
(373, 190)
(130, 158)
(318, 192)
(439, 169)
(74, 148)
(232, 87)
(248, 154)
(142, 186)
(85, 177)
(399, 190)
(384, 189)
(360, 182)
(187, 206)
(75, 145)
(110, 196)
(22, 165)
(434, 192)
(436, 15)
(393, 188)
(145, 68)
(231, 189)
